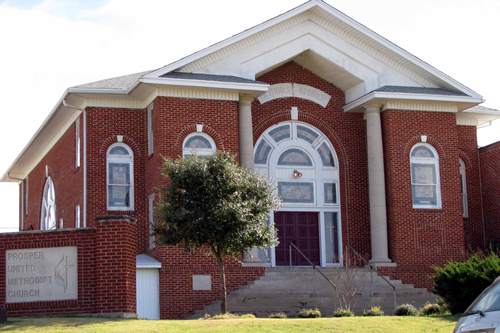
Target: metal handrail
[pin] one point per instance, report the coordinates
(314, 266)
(374, 269)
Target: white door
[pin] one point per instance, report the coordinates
(148, 293)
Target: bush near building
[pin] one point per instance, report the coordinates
(459, 283)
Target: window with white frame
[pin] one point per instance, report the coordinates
(425, 182)
(77, 143)
(150, 129)
(48, 211)
(199, 144)
(120, 177)
(77, 217)
(463, 188)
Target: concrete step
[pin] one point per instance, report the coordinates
(288, 289)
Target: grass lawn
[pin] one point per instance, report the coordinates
(331, 325)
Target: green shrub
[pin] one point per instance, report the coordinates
(309, 313)
(459, 283)
(278, 315)
(343, 313)
(430, 309)
(406, 310)
(374, 311)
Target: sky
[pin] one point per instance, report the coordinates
(49, 45)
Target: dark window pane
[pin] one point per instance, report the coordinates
(262, 152)
(296, 192)
(306, 134)
(280, 133)
(326, 155)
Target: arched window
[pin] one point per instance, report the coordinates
(425, 183)
(199, 144)
(463, 188)
(48, 212)
(294, 157)
(120, 177)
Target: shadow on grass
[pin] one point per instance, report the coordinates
(34, 323)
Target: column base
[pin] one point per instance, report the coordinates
(382, 263)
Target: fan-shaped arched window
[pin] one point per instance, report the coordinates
(48, 211)
(199, 144)
(295, 157)
(120, 177)
(425, 182)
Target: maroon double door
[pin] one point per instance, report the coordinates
(301, 229)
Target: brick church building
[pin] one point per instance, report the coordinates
(369, 148)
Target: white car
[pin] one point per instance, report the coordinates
(483, 316)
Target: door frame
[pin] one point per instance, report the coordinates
(321, 228)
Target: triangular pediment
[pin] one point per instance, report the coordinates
(325, 41)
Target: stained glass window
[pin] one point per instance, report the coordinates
(331, 238)
(425, 177)
(48, 211)
(306, 134)
(296, 192)
(330, 192)
(120, 177)
(199, 144)
(280, 133)
(296, 157)
(262, 152)
(326, 155)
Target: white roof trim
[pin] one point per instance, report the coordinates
(144, 261)
(257, 87)
(337, 14)
(380, 95)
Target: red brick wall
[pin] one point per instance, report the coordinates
(422, 238)
(490, 174)
(469, 153)
(178, 299)
(106, 268)
(68, 182)
(84, 240)
(103, 127)
(116, 240)
(347, 133)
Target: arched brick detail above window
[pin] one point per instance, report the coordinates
(125, 139)
(430, 140)
(184, 132)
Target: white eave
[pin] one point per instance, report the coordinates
(379, 97)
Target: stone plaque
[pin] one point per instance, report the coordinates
(45, 274)
(202, 282)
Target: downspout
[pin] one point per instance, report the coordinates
(65, 104)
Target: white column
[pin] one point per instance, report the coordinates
(246, 131)
(376, 183)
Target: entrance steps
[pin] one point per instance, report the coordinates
(289, 289)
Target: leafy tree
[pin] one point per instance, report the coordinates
(214, 203)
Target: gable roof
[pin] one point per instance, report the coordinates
(327, 9)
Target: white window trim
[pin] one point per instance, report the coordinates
(77, 217)
(434, 161)
(463, 181)
(322, 175)
(43, 225)
(199, 151)
(77, 143)
(149, 112)
(130, 160)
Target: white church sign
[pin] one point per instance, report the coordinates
(45, 274)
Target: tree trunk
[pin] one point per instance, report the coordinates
(223, 304)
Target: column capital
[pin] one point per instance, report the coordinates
(372, 109)
(246, 99)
